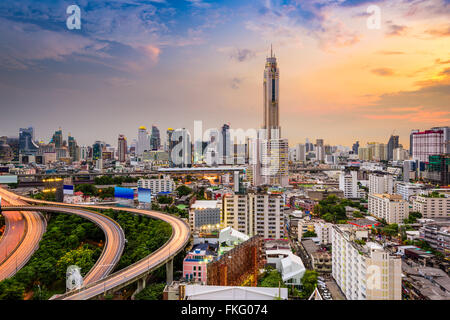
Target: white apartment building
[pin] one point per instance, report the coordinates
(433, 206)
(165, 184)
(381, 183)
(364, 271)
(255, 213)
(407, 189)
(348, 182)
(323, 231)
(390, 207)
(205, 213)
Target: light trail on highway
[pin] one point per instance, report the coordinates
(180, 237)
(22, 238)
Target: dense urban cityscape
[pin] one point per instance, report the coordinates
(225, 213)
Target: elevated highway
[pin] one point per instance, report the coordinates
(114, 237)
(23, 232)
(139, 271)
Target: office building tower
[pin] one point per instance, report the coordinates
(73, 149)
(392, 144)
(320, 150)
(84, 153)
(122, 148)
(97, 151)
(57, 139)
(143, 143)
(181, 153)
(226, 145)
(275, 162)
(411, 145)
(271, 96)
(429, 142)
(355, 147)
(299, 153)
(27, 146)
(155, 139)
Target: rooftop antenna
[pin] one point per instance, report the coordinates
(271, 51)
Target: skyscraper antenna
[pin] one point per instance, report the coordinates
(271, 51)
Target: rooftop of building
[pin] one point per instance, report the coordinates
(390, 197)
(205, 204)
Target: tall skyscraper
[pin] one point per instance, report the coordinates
(26, 141)
(226, 144)
(429, 142)
(355, 147)
(73, 148)
(97, 150)
(320, 150)
(271, 96)
(155, 139)
(392, 144)
(411, 141)
(143, 143)
(274, 150)
(122, 148)
(57, 138)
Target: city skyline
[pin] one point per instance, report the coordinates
(341, 81)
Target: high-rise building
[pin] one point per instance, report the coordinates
(84, 153)
(271, 96)
(143, 143)
(226, 144)
(255, 214)
(381, 183)
(73, 149)
(299, 153)
(430, 142)
(155, 139)
(320, 150)
(348, 182)
(97, 151)
(57, 138)
(26, 141)
(181, 153)
(392, 144)
(122, 148)
(363, 270)
(275, 162)
(411, 145)
(355, 147)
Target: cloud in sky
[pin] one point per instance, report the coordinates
(131, 54)
(383, 71)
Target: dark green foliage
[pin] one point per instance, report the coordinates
(153, 291)
(309, 234)
(65, 233)
(271, 279)
(144, 235)
(309, 283)
(183, 191)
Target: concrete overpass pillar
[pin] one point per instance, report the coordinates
(169, 271)
(141, 283)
